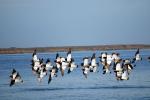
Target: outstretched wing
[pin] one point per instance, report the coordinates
(49, 79)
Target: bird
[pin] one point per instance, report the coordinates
(48, 65)
(71, 66)
(42, 73)
(61, 63)
(58, 61)
(53, 73)
(121, 67)
(85, 66)
(125, 75)
(115, 59)
(15, 78)
(35, 62)
(103, 56)
(34, 56)
(137, 56)
(69, 56)
(125, 70)
(118, 69)
(128, 64)
(109, 59)
(64, 65)
(106, 62)
(93, 64)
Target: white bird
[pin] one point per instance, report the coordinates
(103, 56)
(53, 73)
(58, 61)
(119, 70)
(128, 65)
(94, 64)
(125, 75)
(69, 56)
(48, 65)
(63, 67)
(85, 66)
(109, 59)
(106, 62)
(72, 66)
(42, 73)
(15, 78)
(137, 56)
(34, 56)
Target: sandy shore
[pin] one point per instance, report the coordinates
(73, 48)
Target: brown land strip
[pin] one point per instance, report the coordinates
(73, 48)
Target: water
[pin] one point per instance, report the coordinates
(74, 86)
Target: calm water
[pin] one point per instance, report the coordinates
(74, 86)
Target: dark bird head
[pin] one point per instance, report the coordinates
(137, 52)
(34, 53)
(69, 51)
(57, 55)
(14, 71)
(48, 60)
(93, 56)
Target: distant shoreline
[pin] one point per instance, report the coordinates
(14, 50)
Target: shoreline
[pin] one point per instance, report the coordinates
(14, 50)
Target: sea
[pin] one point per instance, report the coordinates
(74, 86)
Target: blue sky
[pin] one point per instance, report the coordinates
(40, 23)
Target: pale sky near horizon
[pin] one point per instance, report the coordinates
(41, 23)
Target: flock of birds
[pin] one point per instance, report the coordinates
(121, 67)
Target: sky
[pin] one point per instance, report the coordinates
(42, 23)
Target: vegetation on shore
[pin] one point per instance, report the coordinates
(14, 50)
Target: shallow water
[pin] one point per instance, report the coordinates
(74, 86)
